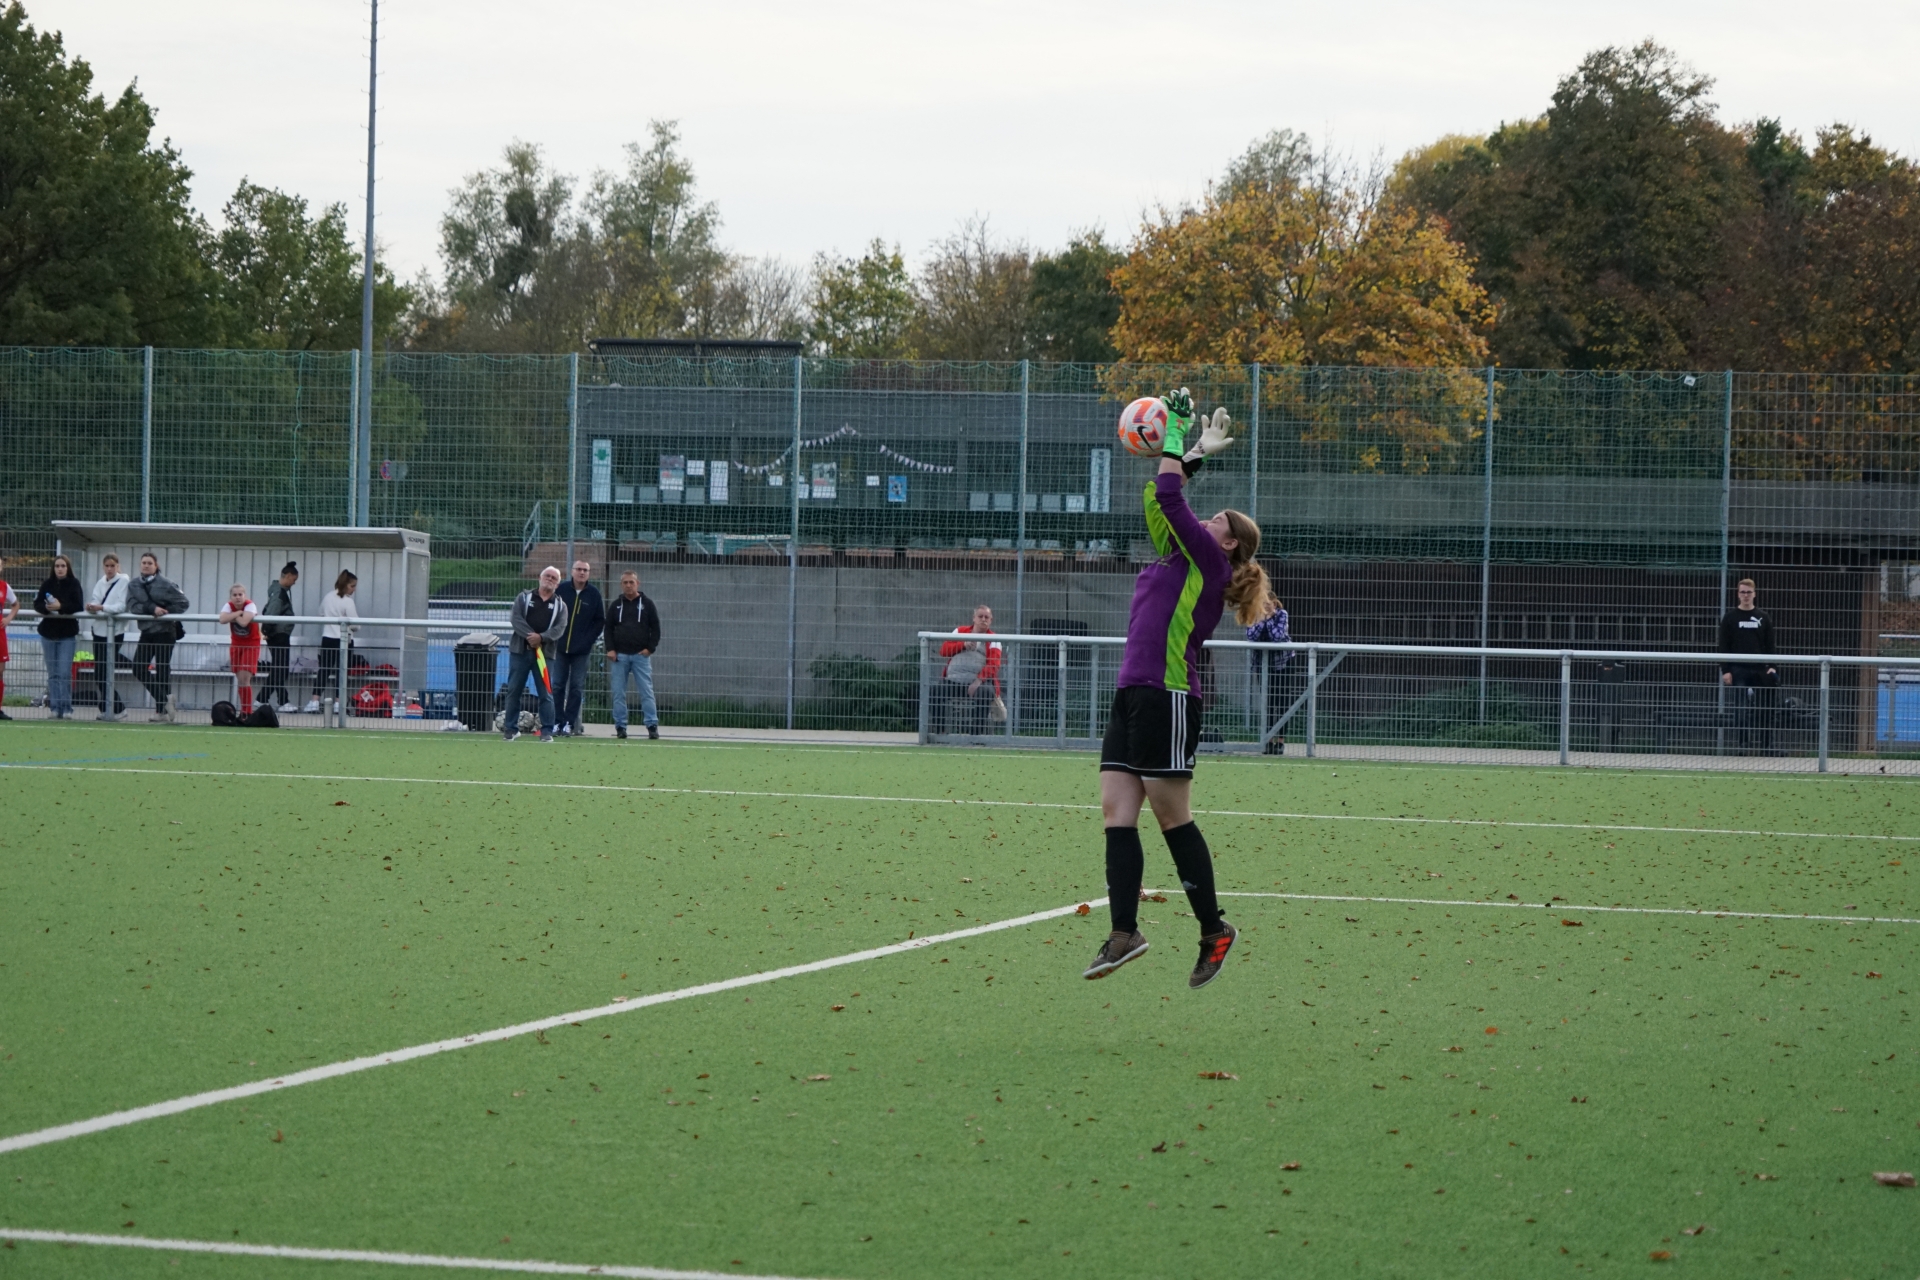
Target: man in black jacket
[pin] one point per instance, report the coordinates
(279, 636)
(586, 615)
(1747, 631)
(153, 598)
(633, 633)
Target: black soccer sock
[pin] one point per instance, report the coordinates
(1126, 864)
(1195, 864)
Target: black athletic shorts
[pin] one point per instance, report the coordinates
(1152, 733)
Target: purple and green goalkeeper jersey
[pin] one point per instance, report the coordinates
(1178, 599)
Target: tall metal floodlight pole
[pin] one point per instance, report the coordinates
(363, 479)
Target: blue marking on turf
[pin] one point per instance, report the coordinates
(31, 764)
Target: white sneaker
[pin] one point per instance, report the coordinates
(162, 717)
(312, 708)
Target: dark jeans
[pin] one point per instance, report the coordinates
(326, 683)
(519, 667)
(1755, 698)
(156, 650)
(569, 671)
(281, 654)
(1283, 686)
(94, 692)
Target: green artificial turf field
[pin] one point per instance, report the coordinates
(1437, 1088)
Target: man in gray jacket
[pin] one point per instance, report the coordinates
(539, 621)
(153, 597)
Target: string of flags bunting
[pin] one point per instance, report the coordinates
(846, 429)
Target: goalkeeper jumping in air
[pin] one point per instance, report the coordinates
(1154, 727)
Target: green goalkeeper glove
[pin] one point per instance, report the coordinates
(1179, 422)
(1213, 438)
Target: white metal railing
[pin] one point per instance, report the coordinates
(116, 623)
(1317, 674)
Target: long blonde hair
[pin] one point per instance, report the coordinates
(1249, 592)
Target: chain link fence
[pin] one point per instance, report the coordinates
(799, 522)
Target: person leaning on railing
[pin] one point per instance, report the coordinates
(109, 596)
(153, 597)
(59, 604)
(970, 681)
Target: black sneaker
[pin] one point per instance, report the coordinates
(620, 731)
(1213, 954)
(1119, 948)
(510, 734)
(653, 731)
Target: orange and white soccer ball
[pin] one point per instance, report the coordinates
(1143, 426)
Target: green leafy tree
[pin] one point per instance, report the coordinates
(1075, 305)
(975, 298)
(667, 275)
(1596, 228)
(862, 308)
(98, 245)
(293, 282)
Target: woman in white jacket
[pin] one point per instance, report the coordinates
(109, 595)
(337, 605)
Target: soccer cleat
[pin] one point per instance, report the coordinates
(1213, 954)
(1119, 948)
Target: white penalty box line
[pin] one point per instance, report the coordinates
(619, 1005)
(443, 1261)
(1709, 913)
(734, 793)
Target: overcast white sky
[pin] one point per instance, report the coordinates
(819, 125)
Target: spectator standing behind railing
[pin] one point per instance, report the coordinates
(9, 610)
(279, 636)
(243, 658)
(153, 597)
(59, 603)
(336, 606)
(1272, 629)
(586, 616)
(109, 596)
(1747, 631)
(970, 681)
(633, 633)
(539, 619)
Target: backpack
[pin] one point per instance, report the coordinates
(226, 715)
(375, 698)
(263, 717)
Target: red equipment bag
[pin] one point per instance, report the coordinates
(375, 698)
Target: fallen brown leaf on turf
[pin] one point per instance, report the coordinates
(1581, 1098)
(1660, 1255)
(1693, 1231)
(281, 1137)
(1493, 1031)
(1083, 910)
(1894, 1179)
(1453, 1048)
(838, 1007)
(1162, 1147)
(339, 803)
(816, 1079)
(1872, 974)
(1574, 924)
(1218, 1075)
(1291, 1165)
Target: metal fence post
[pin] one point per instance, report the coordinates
(1253, 449)
(353, 440)
(1726, 524)
(112, 648)
(1313, 697)
(926, 694)
(1014, 683)
(1566, 702)
(340, 694)
(146, 437)
(573, 452)
(793, 541)
(1486, 541)
(1093, 692)
(1060, 701)
(1826, 698)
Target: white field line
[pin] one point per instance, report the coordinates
(1708, 912)
(312, 1075)
(370, 1255)
(991, 804)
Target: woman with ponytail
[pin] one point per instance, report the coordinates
(1153, 730)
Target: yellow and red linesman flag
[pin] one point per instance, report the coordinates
(540, 661)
